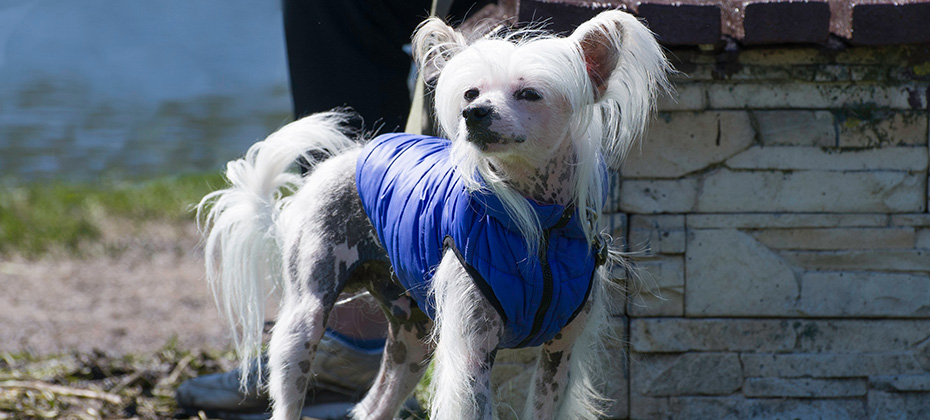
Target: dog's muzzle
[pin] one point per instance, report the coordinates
(478, 120)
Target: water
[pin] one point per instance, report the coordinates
(101, 88)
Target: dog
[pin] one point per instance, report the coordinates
(485, 239)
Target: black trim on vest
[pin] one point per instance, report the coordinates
(480, 282)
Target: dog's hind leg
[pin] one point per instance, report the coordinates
(328, 246)
(298, 329)
(405, 355)
(468, 333)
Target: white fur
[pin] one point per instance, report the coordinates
(554, 124)
(242, 249)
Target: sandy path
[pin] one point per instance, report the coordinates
(134, 295)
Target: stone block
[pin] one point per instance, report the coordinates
(901, 383)
(796, 128)
(661, 289)
(804, 388)
(788, 22)
(816, 158)
(864, 294)
(812, 96)
(831, 365)
(687, 97)
(836, 238)
(658, 196)
(659, 234)
(898, 406)
(868, 128)
(812, 191)
(923, 239)
(921, 220)
(739, 408)
(872, 260)
(615, 379)
(685, 374)
(679, 143)
(860, 335)
(731, 274)
(785, 220)
(676, 335)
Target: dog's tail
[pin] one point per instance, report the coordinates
(242, 249)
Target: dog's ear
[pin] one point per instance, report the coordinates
(627, 69)
(599, 41)
(434, 43)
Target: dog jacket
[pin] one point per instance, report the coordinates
(419, 207)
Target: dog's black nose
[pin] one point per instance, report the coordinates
(476, 113)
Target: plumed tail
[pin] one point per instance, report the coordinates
(242, 250)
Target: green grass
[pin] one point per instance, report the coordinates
(37, 218)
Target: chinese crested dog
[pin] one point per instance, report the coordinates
(481, 240)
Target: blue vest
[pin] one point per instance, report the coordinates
(419, 207)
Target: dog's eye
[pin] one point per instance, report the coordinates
(528, 95)
(471, 94)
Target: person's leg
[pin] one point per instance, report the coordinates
(349, 53)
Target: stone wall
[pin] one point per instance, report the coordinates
(779, 210)
(782, 200)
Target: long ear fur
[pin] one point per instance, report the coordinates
(627, 70)
(434, 43)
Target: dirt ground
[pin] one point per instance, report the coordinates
(134, 292)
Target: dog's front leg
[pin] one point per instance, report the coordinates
(551, 392)
(468, 333)
(404, 361)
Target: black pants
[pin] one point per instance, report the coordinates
(349, 53)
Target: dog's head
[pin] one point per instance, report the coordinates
(524, 94)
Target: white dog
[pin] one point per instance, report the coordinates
(487, 240)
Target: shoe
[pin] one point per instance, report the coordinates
(343, 374)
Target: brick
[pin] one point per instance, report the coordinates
(803, 365)
(867, 128)
(662, 288)
(709, 138)
(921, 220)
(796, 128)
(812, 191)
(730, 274)
(817, 96)
(836, 238)
(898, 406)
(686, 374)
(860, 335)
(682, 24)
(687, 97)
(784, 22)
(658, 196)
(876, 260)
(816, 158)
(905, 383)
(675, 335)
(804, 388)
(561, 17)
(864, 294)
(785, 220)
(886, 24)
(739, 408)
(660, 234)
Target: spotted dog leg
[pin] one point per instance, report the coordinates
(550, 386)
(406, 353)
(327, 249)
(468, 332)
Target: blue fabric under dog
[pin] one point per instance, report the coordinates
(416, 200)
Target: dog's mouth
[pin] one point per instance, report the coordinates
(486, 140)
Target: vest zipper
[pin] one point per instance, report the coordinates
(546, 294)
(546, 299)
